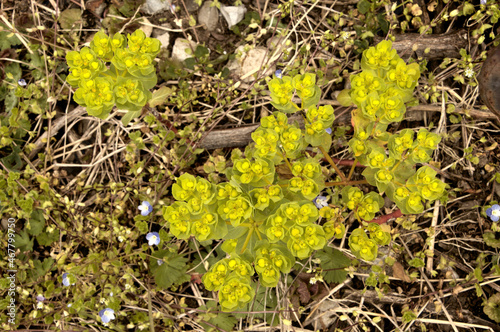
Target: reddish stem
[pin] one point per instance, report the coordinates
(383, 219)
(347, 162)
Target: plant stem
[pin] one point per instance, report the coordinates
(337, 170)
(258, 233)
(250, 232)
(383, 219)
(352, 170)
(327, 156)
(345, 183)
(283, 155)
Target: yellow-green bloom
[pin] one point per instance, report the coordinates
(97, 96)
(382, 56)
(130, 94)
(403, 75)
(83, 65)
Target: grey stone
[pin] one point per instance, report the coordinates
(152, 7)
(157, 32)
(146, 27)
(191, 5)
(208, 16)
(179, 49)
(232, 14)
(249, 63)
(164, 39)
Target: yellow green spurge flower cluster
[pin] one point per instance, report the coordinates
(269, 212)
(365, 245)
(380, 92)
(125, 82)
(264, 212)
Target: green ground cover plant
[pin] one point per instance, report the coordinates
(366, 196)
(127, 81)
(268, 219)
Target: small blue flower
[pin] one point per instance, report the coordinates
(494, 212)
(159, 262)
(145, 208)
(21, 82)
(107, 315)
(40, 298)
(320, 202)
(65, 279)
(278, 73)
(329, 131)
(483, 2)
(153, 238)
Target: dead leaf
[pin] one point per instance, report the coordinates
(432, 6)
(415, 10)
(488, 168)
(437, 307)
(304, 294)
(284, 172)
(492, 147)
(457, 290)
(399, 272)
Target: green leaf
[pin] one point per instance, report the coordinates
(404, 171)
(324, 139)
(129, 116)
(369, 174)
(159, 96)
(26, 205)
(172, 271)
(142, 226)
(15, 70)
(221, 320)
(7, 39)
(364, 6)
(70, 17)
(41, 269)
(36, 222)
(313, 100)
(23, 241)
(200, 51)
(416, 262)
(266, 302)
(344, 98)
(492, 307)
(13, 161)
(46, 239)
(333, 263)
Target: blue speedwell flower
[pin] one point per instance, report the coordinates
(40, 298)
(107, 315)
(494, 212)
(153, 238)
(328, 131)
(159, 262)
(21, 82)
(320, 201)
(65, 280)
(145, 208)
(278, 73)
